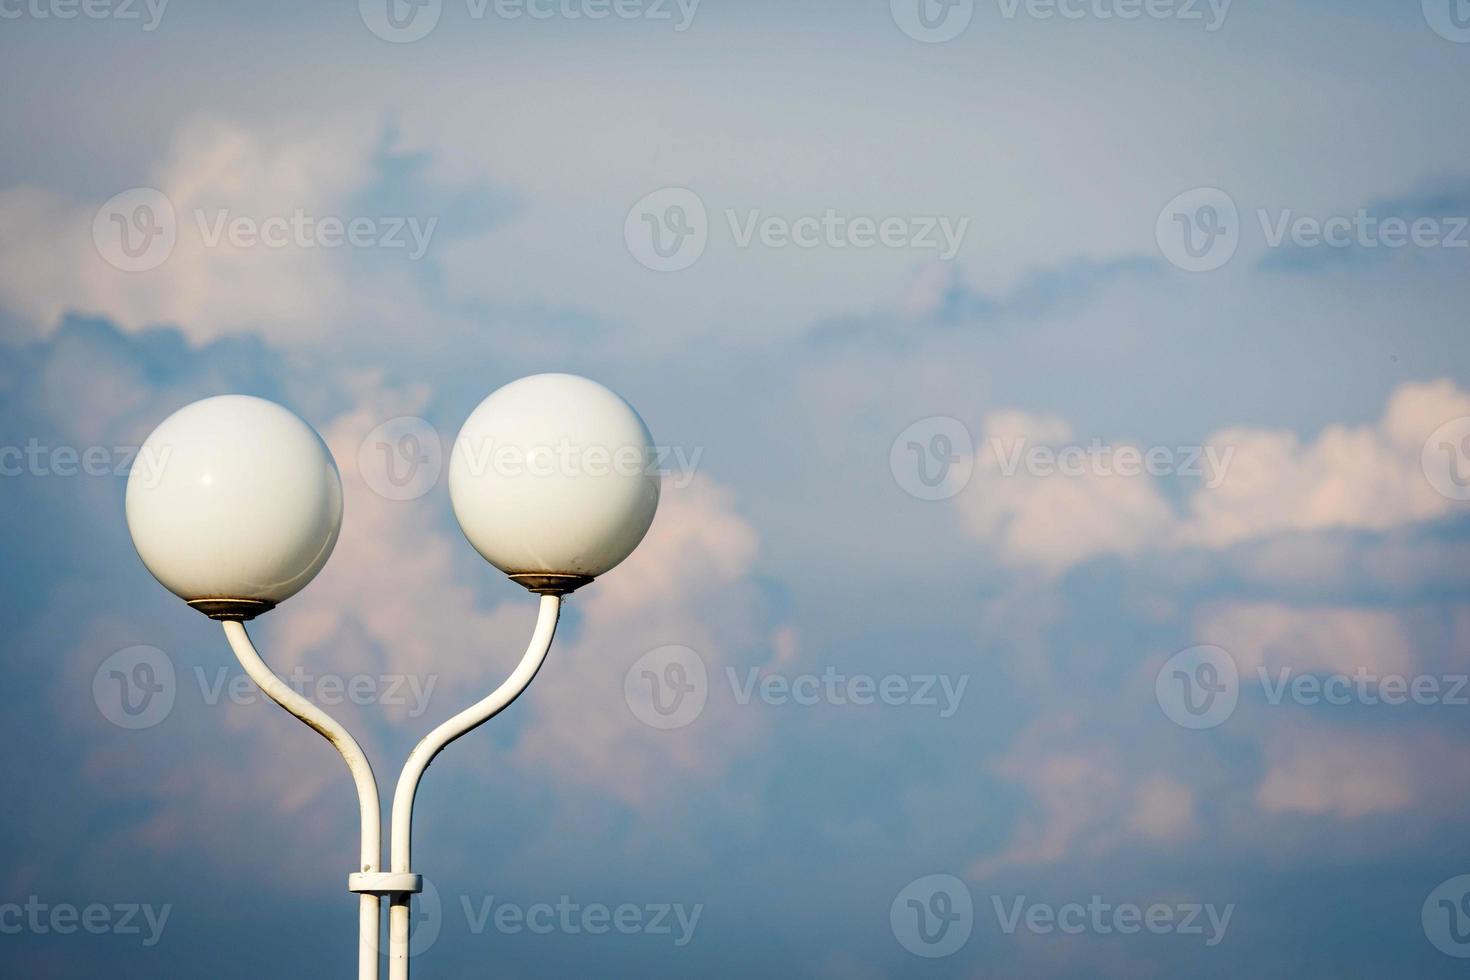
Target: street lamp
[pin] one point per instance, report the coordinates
(551, 479)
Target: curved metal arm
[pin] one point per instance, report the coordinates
(362, 775)
(430, 746)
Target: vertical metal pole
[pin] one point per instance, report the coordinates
(362, 775)
(431, 745)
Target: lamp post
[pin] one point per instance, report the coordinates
(550, 479)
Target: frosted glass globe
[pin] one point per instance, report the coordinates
(240, 499)
(553, 475)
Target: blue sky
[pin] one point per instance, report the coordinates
(1235, 244)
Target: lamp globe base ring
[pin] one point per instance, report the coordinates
(236, 609)
(544, 584)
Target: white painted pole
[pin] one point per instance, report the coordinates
(362, 775)
(431, 745)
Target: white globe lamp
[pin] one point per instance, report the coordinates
(239, 507)
(552, 479)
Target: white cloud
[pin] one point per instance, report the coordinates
(1084, 799)
(1369, 478)
(1342, 773)
(1074, 792)
(1262, 483)
(1273, 635)
(207, 286)
(1163, 810)
(1054, 521)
